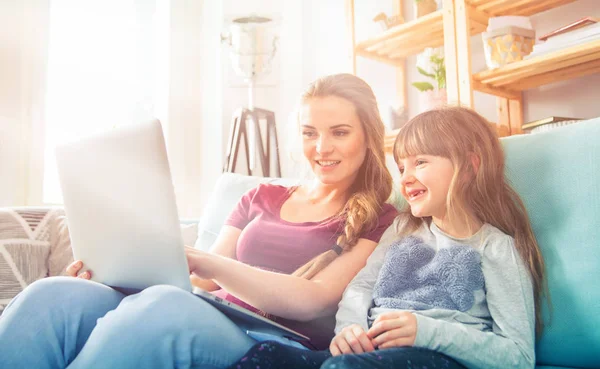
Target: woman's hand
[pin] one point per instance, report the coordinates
(201, 263)
(351, 340)
(394, 329)
(75, 267)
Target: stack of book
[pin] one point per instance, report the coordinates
(576, 33)
(547, 124)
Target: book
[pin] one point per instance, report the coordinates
(540, 122)
(558, 42)
(570, 27)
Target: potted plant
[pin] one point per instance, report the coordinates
(430, 64)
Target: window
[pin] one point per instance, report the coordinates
(107, 66)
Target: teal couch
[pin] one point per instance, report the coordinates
(557, 173)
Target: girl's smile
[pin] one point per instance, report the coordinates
(415, 194)
(425, 182)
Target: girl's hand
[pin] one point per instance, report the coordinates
(351, 340)
(394, 329)
(75, 267)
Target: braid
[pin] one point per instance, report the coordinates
(373, 183)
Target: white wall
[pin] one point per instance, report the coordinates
(12, 123)
(23, 37)
(185, 110)
(211, 103)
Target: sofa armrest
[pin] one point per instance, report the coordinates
(31, 247)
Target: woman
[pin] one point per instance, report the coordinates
(286, 252)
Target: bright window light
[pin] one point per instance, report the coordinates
(106, 67)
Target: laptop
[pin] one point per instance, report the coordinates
(123, 221)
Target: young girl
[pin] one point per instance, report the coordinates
(461, 286)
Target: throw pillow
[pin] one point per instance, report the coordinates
(27, 237)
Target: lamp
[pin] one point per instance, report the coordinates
(252, 45)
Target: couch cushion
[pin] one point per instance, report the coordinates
(557, 174)
(228, 191)
(34, 243)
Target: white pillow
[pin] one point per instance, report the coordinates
(228, 191)
(189, 232)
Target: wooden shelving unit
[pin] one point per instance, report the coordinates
(410, 38)
(453, 27)
(572, 62)
(508, 82)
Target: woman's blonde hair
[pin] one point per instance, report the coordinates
(479, 189)
(373, 184)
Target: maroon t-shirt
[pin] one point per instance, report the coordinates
(274, 244)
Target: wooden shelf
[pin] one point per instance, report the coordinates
(455, 24)
(571, 62)
(391, 46)
(494, 8)
(410, 38)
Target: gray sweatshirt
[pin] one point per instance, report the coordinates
(473, 297)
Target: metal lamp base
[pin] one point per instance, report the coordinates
(239, 130)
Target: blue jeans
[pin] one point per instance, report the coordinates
(393, 358)
(274, 355)
(65, 322)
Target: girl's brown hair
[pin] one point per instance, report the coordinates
(479, 189)
(373, 184)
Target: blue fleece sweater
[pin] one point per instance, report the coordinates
(473, 297)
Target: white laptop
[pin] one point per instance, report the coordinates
(122, 214)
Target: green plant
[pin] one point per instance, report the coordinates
(438, 75)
